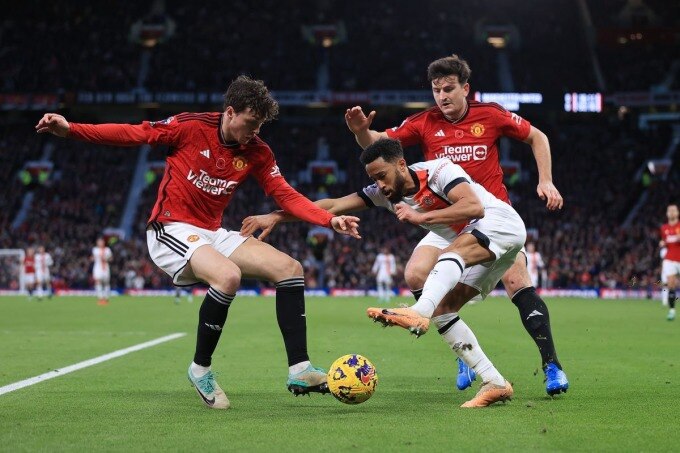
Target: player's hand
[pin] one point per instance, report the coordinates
(548, 192)
(54, 124)
(406, 213)
(265, 222)
(357, 121)
(346, 224)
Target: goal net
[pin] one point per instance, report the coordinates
(12, 271)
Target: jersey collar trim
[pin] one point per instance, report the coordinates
(416, 181)
(465, 113)
(221, 139)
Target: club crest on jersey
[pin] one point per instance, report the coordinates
(428, 201)
(165, 121)
(193, 238)
(477, 129)
(239, 163)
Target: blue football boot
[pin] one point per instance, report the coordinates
(555, 380)
(466, 375)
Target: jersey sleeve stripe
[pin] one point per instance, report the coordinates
(367, 200)
(454, 183)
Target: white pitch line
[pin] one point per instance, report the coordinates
(86, 363)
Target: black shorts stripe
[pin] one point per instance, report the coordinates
(170, 246)
(163, 240)
(482, 238)
(181, 245)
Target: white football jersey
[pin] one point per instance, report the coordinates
(101, 257)
(43, 261)
(534, 262)
(385, 264)
(434, 180)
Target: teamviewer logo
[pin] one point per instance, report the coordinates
(479, 152)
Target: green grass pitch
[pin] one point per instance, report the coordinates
(622, 359)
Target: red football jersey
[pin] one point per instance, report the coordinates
(29, 264)
(202, 170)
(670, 234)
(470, 142)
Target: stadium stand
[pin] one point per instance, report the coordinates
(596, 157)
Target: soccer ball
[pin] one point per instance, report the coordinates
(352, 379)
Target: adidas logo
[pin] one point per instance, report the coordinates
(534, 313)
(206, 153)
(440, 133)
(213, 326)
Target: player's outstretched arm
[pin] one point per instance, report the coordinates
(346, 224)
(360, 125)
(54, 124)
(546, 190)
(267, 222)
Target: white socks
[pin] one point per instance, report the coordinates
(460, 338)
(442, 279)
(298, 367)
(198, 371)
(384, 292)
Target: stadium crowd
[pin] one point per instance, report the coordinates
(86, 190)
(67, 40)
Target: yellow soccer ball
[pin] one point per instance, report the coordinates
(352, 379)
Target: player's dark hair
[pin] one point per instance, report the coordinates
(387, 148)
(449, 66)
(245, 92)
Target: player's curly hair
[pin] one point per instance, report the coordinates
(245, 92)
(387, 148)
(448, 66)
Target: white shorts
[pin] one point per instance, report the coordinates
(534, 279)
(384, 278)
(101, 275)
(42, 277)
(502, 231)
(171, 245)
(29, 279)
(669, 268)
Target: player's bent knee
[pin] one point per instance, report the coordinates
(296, 268)
(287, 268)
(517, 277)
(415, 276)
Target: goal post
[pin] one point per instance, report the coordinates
(12, 279)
